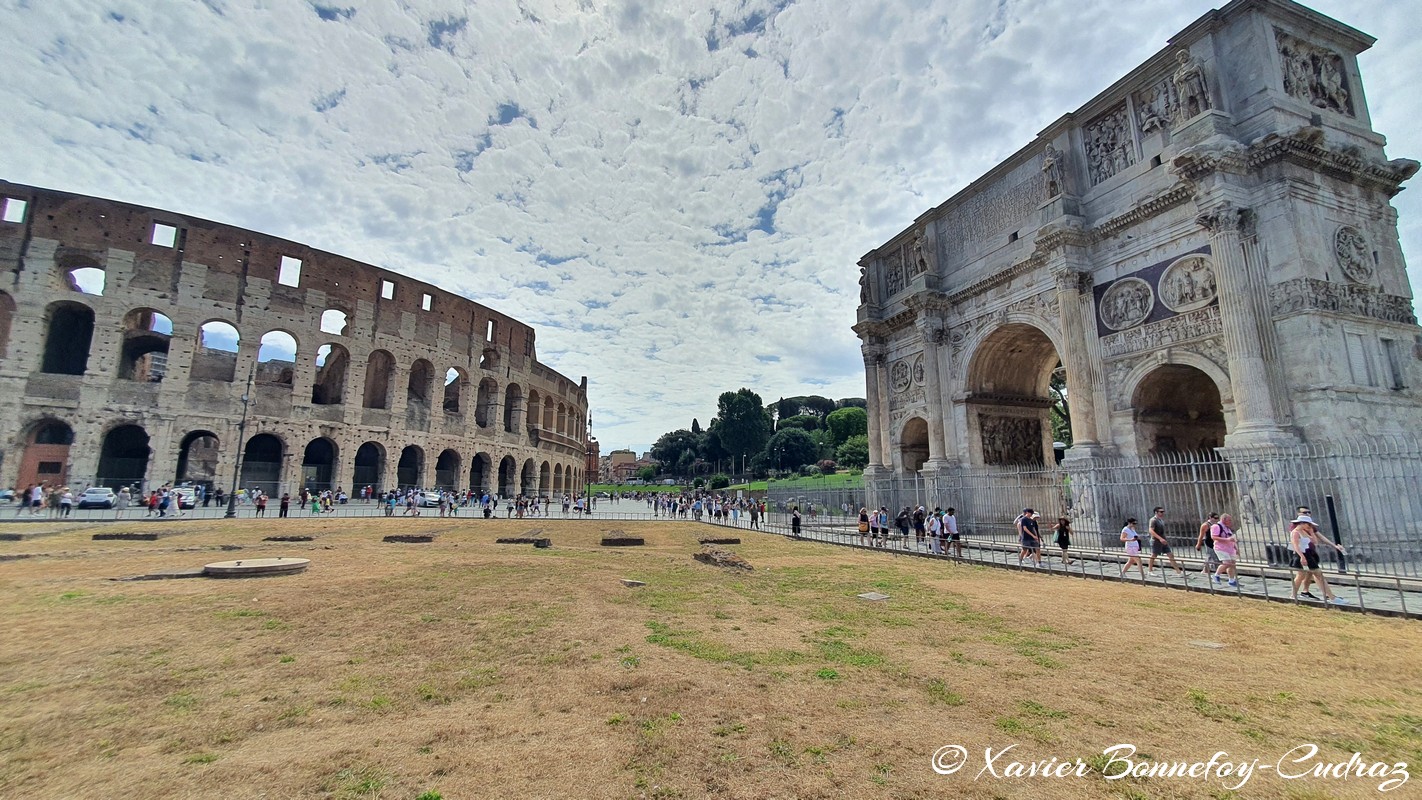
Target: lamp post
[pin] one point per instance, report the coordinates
(587, 473)
(241, 435)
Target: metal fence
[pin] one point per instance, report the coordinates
(1365, 492)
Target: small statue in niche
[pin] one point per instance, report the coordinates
(863, 286)
(1052, 168)
(920, 253)
(1190, 86)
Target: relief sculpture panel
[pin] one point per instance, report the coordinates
(1110, 147)
(1010, 440)
(1314, 74)
(1188, 284)
(1350, 250)
(1127, 303)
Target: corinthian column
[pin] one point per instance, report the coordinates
(1081, 377)
(931, 334)
(1247, 327)
(873, 364)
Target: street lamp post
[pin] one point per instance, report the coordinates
(587, 473)
(241, 435)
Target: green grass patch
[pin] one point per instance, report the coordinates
(938, 692)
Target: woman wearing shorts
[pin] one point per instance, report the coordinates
(1132, 539)
(866, 525)
(1062, 537)
(1303, 541)
(1226, 548)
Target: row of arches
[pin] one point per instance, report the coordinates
(1015, 391)
(125, 451)
(147, 335)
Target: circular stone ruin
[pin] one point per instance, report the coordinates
(253, 567)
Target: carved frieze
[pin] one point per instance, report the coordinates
(1314, 74)
(1127, 303)
(1042, 304)
(1350, 250)
(912, 397)
(960, 335)
(1010, 440)
(1195, 324)
(1156, 105)
(1110, 146)
(1212, 348)
(895, 272)
(1309, 294)
(899, 377)
(1188, 284)
(996, 209)
(1116, 374)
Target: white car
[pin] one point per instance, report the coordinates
(187, 496)
(97, 497)
(429, 499)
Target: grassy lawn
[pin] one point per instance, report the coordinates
(480, 670)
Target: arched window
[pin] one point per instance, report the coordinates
(453, 391)
(144, 356)
(329, 388)
(276, 359)
(87, 280)
(513, 407)
(377, 379)
(488, 404)
(123, 457)
(333, 321)
(420, 385)
(216, 356)
(69, 330)
(7, 316)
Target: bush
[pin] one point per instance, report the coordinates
(719, 481)
(809, 470)
(826, 466)
(854, 452)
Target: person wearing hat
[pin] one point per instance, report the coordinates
(1029, 537)
(1303, 541)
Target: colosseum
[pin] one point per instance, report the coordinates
(140, 347)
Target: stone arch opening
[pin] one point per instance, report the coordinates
(276, 359)
(197, 459)
(144, 354)
(216, 356)
(69, 330)
(378, 369)
(7, 318)
(447, 471)
(489, 359)
(46, 455)
(562, 419)
(479, 472)
(333, 321)
(528, 483)
(913, 444)
(318, 464)
(410, 470)
(513, 407)
(535, 409)
(1178, 409)
(454, 381)
(88, 280)
(545, 478)
(420, 385)
(558, 479)
(369, 466)
(487, 405)
(123, 458)
(332, 363)
(1009, 396)
(508, 477)
(261, 463)
(549, 414)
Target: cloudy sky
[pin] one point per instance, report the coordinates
(675, 194)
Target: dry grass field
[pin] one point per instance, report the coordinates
(469, 669)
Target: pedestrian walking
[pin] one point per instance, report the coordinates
(284, 506)
(121, 502)
(795, 522)
(1029, 538)
(1303, 541)
(1061, 534)
(261, 504)
(1206, 542)
(1132, 540)
(1159, 545)
(1226, 548)
(950, 529)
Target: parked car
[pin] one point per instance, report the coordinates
(187, 496)
(7, 495)
(429, 499)
(97, 497)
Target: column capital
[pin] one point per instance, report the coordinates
(1071, 280)
(1226, 217)
(873, 353)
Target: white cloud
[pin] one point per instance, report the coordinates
(676, 219)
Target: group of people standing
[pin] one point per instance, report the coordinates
(936, 530)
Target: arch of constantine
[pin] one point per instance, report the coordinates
(1205, 251)
(134, 340)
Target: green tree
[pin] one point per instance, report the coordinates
(647, 473)
(852, 402)
(671, 447)
(847, 422)
(719, 481)
(695, 425)
(806, 422)
(741, 424)
(1061, 409)
(791, 448)
(854, 453)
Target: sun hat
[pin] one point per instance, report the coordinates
(1304, 518)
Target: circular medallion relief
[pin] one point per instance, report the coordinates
(1351, 251)
(918, 371)
(1188, 284)
(1127, 303)
(899, 375)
